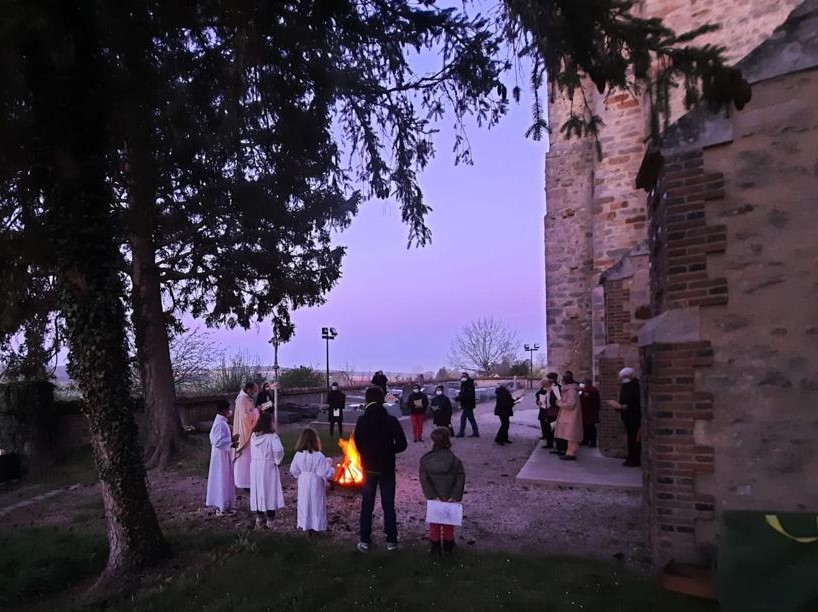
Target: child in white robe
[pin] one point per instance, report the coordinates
(221, 488)
(266, 454)
(312, 469)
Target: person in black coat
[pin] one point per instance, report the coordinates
(468, 400)
(337, 402)
(442, 409)
(418, 404)
(264, 396)
(378, 437)
(504, 408)
(380, 380)
(630, 402)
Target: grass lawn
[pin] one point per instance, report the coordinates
(251, 572)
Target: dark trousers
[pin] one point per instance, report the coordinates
(502, 433)
(545, 426)
(467, 414)
(340, 422)
(561, 445)
(386, 483)
(269, 514)
(589, 435)
(634, 445)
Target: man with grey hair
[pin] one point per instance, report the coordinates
(630, 409)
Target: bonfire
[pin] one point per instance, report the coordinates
(350, 472)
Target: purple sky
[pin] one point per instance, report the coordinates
(397, 309)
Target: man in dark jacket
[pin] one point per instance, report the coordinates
(378, 437)
(380, 380)
(468, 400)
(591, 405)
(418, 403)
(552, 411)
(630, 407)
(337, 402)
(442, 409)
(504, 408)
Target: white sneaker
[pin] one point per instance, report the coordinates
(270, 524)
(363, 547)
(391, 546)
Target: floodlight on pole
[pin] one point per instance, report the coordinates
(531, 348)
(328, 333)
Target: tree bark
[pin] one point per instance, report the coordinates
(68, 85)
(153, 351)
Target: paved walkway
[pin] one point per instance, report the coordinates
(590, 471)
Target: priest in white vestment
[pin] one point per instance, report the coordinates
(244, 419)
(221, 486)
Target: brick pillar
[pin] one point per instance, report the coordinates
(612, 441)
(680, 516)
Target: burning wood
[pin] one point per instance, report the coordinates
(350, 472)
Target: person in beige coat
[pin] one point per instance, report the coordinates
(569, 419)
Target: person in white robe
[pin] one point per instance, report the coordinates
(312, 469)
(221, 487)
(244, 419)
(267, 453)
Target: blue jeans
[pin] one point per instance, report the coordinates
(468, 414)
(386, 482)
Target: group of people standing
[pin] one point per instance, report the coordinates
(249, 458)
(569, 414)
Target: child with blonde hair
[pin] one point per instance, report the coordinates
(312, 469)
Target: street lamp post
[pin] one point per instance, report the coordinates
(328, 333)
(531, 348)
(275, 341)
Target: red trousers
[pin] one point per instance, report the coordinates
(417, 425)
(435, 531)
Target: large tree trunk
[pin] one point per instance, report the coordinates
(153, 351)
(68, 86)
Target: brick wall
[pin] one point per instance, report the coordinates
(680, 239)
(600, 194)
(674, 465)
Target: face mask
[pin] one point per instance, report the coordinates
(463, 380)
(334, 388)
(417, 390)
(627, 379)
(438, 392)
(581, 385)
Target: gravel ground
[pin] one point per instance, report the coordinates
(500, 514)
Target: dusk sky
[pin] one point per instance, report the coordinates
(399, 310)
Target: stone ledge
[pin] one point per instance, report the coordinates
(672, 326)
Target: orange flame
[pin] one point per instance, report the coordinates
(350, 471)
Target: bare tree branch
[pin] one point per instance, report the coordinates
(482, 344)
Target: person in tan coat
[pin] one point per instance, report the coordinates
(569, 419)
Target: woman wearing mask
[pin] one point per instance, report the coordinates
(442, 410)
(569, 420)
(418, 403)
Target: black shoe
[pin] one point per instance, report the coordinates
(448, 546)
(435, 550)
(568, 457)
(474, 435)
(556, 452)
(508, 441)
(542, 437)
(499, 442)
(631, 464)
(460, 435)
